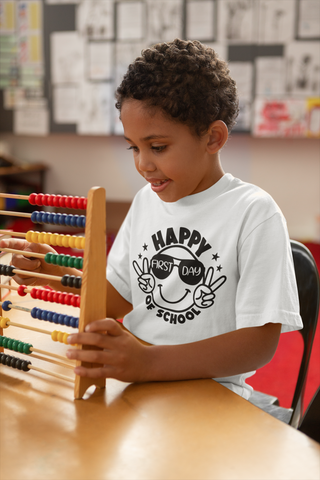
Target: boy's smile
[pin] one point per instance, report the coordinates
(176, 162)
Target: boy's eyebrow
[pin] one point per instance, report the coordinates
(149, 137)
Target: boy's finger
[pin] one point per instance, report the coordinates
(109, 325)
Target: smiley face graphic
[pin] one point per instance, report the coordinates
(177, 279)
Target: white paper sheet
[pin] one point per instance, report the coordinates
(67, 57)
(270, 76)
(66, 103)
(164, 20)
(130, 20)
(100, 60)
(242, 73)
(236, 20)
(95, 109)
(95, 19)
(200, 20)
(303, 68)
(309, 19)
(31, 121)
(276, 23)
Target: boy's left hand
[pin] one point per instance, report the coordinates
(122, 357)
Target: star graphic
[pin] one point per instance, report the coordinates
(215, 256)
(139, 256)
(145, 247)
(219, 268)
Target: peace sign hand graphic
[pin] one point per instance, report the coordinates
(145, 279)
(204, 294)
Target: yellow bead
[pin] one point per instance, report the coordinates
(65, 336)
(3, 322)
(41, 237)
(78, 242)
(29, 236)
(60, 337)
(34, 237)
(47, 238)
(59, 240)
(53, 240)
(72, 241)
(83, 242)
(65, 240)
(54, 335)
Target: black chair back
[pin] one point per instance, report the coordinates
(309, 291)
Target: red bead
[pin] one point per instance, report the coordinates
(39, 199)
(38, 296)
(50, 295)
(62, 298)
(85, 201)
(56, 297)
(44, 295)
(68, 299)
(32, 198)
(68, 202)
(78, 301)
(55, 200)
(80, 203)
(21, 291)
(46, 200)
(62, 201)
(74, 202)
(33, 293)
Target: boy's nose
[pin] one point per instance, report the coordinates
(144, 163)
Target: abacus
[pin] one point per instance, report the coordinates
(92, 301)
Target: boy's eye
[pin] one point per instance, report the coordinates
(158, 148)
(135, 149)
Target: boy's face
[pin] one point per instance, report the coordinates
(166, 153)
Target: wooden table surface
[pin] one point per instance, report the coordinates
(157, 431)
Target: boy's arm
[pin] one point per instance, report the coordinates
(124, 357)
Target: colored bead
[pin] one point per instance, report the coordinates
(7, 270)
(32, 198)
(21, 290)
(33, 293)
(4, 322)
(6, 305)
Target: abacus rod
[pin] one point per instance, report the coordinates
(24, 253)
(13, 234)
(50, 360)
(57, 375)
(27, 327)
(55, 278)
(15, 214)
(18, 307)
(55, 355)
(15, 196)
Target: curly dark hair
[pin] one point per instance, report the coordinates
(187, 80)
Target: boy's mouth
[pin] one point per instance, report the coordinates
(159, 185)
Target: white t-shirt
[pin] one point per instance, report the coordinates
(208, 264)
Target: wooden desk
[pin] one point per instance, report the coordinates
(188, 430)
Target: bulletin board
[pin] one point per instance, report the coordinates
(61, 61)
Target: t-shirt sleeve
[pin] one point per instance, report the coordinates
(118, 273)
(267, 289)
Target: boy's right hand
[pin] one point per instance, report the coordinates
(30, 264)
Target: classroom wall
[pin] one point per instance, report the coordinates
(289, 169)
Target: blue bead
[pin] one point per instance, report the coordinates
(55, 318)
(43, 314)
(34, 217)
(34, 312)
(61, 319)
(45, 217)
(51, 218)
(74, 220)
(49, 316)
(6, 305)
(56, 218)
(83, 221)
(39, 312)
(68, 220)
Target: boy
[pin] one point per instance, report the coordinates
(201, 268)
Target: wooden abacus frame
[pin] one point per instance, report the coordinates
(93, 304)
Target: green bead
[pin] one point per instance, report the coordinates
(5, 341)
(15, 344)
(26, 348)
(9, 343)
(65, 260)
(70, 261)
(48, 258)
(78, 262)
(20, 347)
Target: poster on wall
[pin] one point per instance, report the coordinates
(280, 118)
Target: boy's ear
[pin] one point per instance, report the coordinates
(217, 136)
